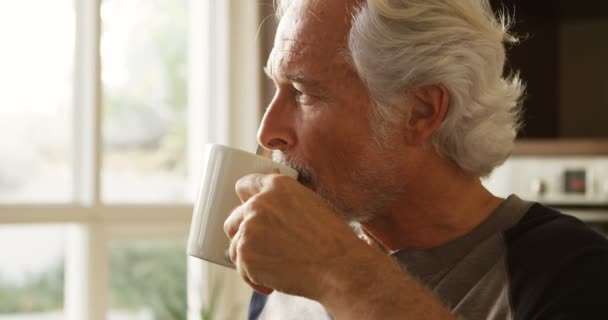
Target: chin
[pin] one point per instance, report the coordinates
(345, 211)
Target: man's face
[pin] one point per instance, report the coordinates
(319, 121)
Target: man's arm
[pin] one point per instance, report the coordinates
(377, 288)
(285, 238)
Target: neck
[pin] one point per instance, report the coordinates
(433, 212)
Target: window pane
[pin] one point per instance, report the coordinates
(32, 272)
(147, 280)
(144, 58)
(36, 66)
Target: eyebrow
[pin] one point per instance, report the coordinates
(298, 78)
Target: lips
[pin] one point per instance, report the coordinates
(305, 176)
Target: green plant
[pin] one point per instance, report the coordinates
(209, 311)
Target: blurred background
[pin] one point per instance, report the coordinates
(104, 109)
(105, 106)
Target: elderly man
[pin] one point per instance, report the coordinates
(392, 110)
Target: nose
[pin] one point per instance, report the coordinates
(276, 131)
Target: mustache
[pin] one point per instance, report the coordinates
(306, 173)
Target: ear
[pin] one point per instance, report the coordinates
(429, 107)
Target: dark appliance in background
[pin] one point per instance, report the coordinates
(563, 58)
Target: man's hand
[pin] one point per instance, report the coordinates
(284, 236)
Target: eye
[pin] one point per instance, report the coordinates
(303, 98)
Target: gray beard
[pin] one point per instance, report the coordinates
(360, 179)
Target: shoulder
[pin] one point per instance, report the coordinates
(545, 228)
(556, 265)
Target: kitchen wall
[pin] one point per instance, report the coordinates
(583, 94)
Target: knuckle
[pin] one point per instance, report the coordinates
(256, 206)
(230, 226)
(255, 278)
(276, 181)
(241, 185)
(247, 230)
(232, 255)
(249, 238)
(243, 250)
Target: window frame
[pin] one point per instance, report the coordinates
(224, 57)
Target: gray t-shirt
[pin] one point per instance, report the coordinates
(493, 272)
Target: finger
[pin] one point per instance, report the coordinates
(234, 220)
(233, 247)
(240, 268)
(248, 186)
(258, 288)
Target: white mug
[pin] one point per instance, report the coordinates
(217, 197)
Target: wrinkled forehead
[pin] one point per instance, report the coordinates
(313, 31)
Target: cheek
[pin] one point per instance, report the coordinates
(334, 129)
(339, 129)
(337, 148)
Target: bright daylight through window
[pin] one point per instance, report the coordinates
(147, 280)
(141, 147)
(32, 273)
(144, 73)
(36, 100)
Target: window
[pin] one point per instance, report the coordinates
(105, 107)
(31, 273)
(147, 279)
(36, 100)
(145, 100)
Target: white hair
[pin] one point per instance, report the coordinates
(397, 45)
